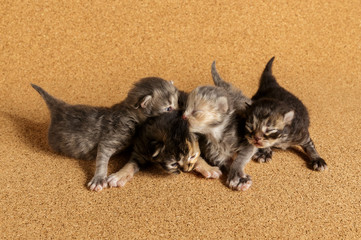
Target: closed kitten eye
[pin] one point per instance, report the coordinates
(175, 164)
(194, 112)
(193, 156)
(249, 129)
(270, 131)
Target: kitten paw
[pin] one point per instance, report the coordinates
(319, 164)
(97, 183)
(119, 179)
(207, 170)
(239, 183)
(263, 155)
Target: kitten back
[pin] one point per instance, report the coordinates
(50, 100)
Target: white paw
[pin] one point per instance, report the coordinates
(240, 183)
(119, 179)
(97, 183)
(209, 172)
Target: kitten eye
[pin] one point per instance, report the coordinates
(168, 109)
(270, 131)
(174, 164)
(196, 112)
(249, 129)
(193, 156)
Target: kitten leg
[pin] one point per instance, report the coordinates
(237, 178)
(207, 170)
(99, 181)
(120, 178)
(317, 162)
(263, 155)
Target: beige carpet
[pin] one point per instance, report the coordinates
(90, 52)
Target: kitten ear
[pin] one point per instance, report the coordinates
(158, 147)
(288, 117)
(144, 102)
(222, 104)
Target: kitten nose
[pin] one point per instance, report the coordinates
(184, 117)
(258, 137)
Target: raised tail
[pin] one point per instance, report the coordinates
(218, 81)
(267, 79)
(50, 100)
(268, 68)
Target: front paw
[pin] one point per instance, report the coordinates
(239, 183)
(97, 183)
(319, 164)
(119, 179)
(263, 155)
(208, 171)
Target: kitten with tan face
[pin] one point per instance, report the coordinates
(279, 119)
(89, 132)
(211, 113)
(163, 140)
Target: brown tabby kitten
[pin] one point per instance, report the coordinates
(164, 140)
(88, 132)
(211, 114)
(279, 119)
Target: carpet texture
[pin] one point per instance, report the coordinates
(91, 52)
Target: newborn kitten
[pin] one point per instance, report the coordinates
(239, 100)
(211, 113)
(279, 119)
(88, 132)
(164, 140)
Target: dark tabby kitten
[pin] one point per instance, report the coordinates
(88, 132)
(164, 140)
(279, 119)
(211, 114)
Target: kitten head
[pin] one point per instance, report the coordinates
(266, 122)
(153, 96)
(171, 144)
(189, 159)
(207, 108)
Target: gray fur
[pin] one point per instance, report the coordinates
(163, 140)
(240, 101)
(277, 118)
(88, 132)
(221, 136)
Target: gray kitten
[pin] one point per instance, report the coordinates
(276, 118)
(164, 140)
(211, 113)
(89, 132)
(279, 119)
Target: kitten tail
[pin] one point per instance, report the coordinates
(218, 81)
(268, 67)
(267, 79)
(50, 100)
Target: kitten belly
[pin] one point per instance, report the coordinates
(218, 154)
(74, 144)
